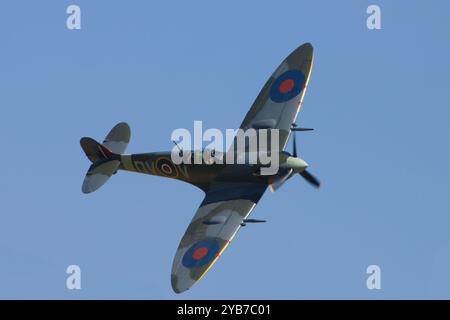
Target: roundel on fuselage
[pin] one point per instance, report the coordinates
(166, 168)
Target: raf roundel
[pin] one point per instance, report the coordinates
(201, 253)
(287, 86)
(166, 168)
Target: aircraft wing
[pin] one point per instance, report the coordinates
(211, 230)
(279, 102)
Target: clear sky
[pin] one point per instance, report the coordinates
(378, 100)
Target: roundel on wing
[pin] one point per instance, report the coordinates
(201, 253)
(287, 86)
(166, 167)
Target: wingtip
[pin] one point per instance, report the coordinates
(176, 287)
(85, 187)
(179, 291)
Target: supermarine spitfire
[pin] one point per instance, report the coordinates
(231, 190)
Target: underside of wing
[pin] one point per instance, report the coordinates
(279, 102)
(211, 230)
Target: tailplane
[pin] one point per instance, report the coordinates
(105, 157)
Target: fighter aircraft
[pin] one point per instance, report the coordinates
(231, 190)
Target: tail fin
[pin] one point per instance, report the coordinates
(94, 150)
(105, 157)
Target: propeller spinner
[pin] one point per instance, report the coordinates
(295, 165)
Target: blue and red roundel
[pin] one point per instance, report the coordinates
(201, 253)
(287, 86)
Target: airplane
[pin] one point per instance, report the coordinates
(231, 190)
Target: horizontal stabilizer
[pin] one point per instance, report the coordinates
(118, 138)
(98, 174)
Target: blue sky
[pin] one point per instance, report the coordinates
(378, 101)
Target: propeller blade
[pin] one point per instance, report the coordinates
(310, 178)
(274, 186)
(294, 147)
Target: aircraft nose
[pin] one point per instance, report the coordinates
(297, 164)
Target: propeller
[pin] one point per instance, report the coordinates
(310, 178)
(294, 145)
(275, 185)
(305, 174)
(280, 180)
